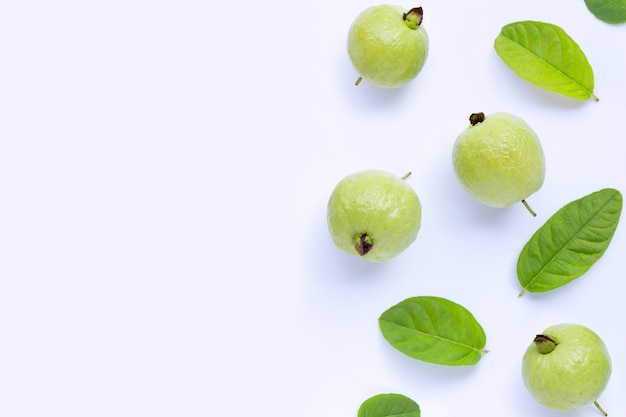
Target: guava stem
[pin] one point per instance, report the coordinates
(600, 408)
(405, 176)
(529, 208)
(545, 344)
(522, 292)
(595, 97)
(358, 81)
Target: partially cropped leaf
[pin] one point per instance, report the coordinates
(389, 405)
(435, 330)
(609, 11)
(544, 55)
(569, 242)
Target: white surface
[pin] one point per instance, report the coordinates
(164, 172)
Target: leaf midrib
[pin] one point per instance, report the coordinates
(436, 336)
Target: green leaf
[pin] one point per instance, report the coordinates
(544, 55)
(609, 11)
(435, 330)
(387, 405)
(569, 242)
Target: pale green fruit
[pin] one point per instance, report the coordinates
(567, 367)
(388, 45)
(499, 159)
(373, 214)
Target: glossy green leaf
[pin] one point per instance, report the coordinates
(435, 330)
(569, 242)
(609, 11)
(389, 405)
(544, 55)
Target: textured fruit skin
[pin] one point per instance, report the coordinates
(379, 204)
(574, 374)
(499, 161)
(383, 49)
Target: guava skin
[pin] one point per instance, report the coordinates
(387, 49)
(373, 214)
(571, 376)
(499, 160)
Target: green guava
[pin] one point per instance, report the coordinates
(388, 45)
(566, 367)
(373, 214)
(499, 159)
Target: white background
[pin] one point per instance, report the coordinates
(164, 173)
